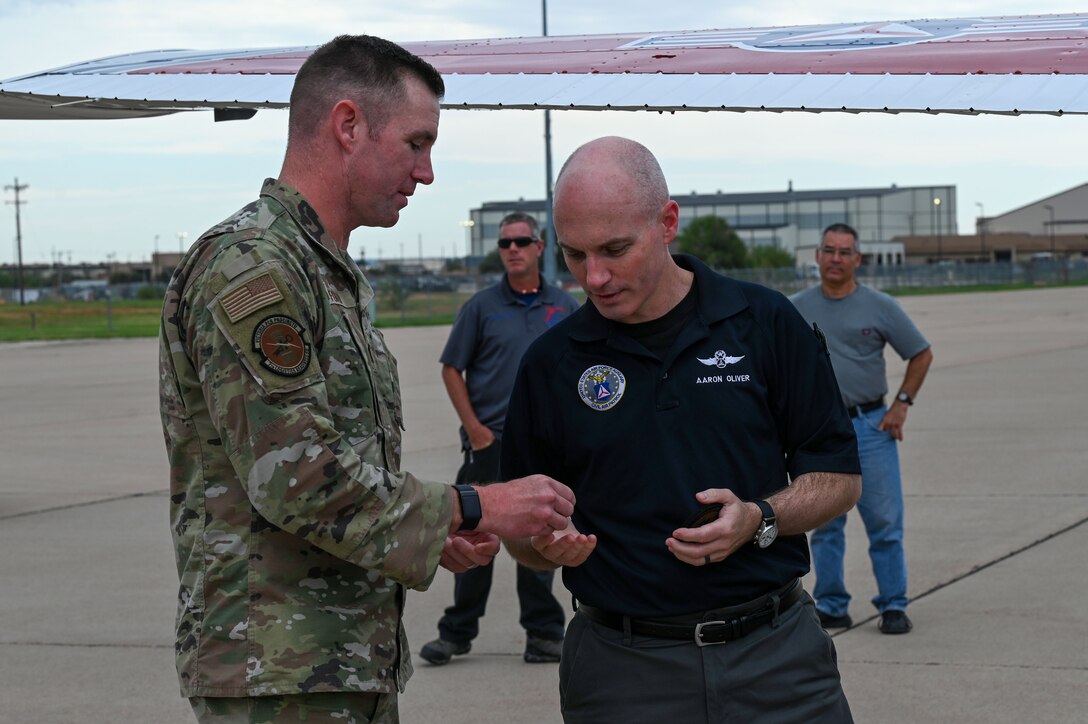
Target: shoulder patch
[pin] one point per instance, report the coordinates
(249, 297)
(282, 348)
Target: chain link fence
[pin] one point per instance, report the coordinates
(133, 309)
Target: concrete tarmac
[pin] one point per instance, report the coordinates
(993, 462)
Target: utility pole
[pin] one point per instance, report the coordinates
(1050, 210)
(981, 228)
(18, 234)
(937, 207)
(550, 271)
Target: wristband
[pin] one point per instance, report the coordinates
(471, 511)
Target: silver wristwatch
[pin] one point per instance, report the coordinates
(768, 529)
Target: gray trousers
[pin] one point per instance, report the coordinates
(783, 672)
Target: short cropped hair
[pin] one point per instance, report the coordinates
(841, 228)
(362, 68)
(519, 217)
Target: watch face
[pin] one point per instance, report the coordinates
(767, 534)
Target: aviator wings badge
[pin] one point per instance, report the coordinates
(720, 359)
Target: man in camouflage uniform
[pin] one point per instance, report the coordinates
(295, 531)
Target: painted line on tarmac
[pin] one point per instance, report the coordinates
(86, 645)
(55, 508)
(977, 569)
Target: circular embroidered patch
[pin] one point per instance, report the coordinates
(601, 387)
(278, 339)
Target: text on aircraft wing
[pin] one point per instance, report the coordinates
(1010, 65)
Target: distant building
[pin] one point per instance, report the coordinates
(789, 220)
(1055, 226)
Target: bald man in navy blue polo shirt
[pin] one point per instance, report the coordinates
(674, 391)
(481, 357)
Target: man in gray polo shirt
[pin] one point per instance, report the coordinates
(858, 322)
(492, 331)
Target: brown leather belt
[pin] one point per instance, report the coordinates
(715, 627)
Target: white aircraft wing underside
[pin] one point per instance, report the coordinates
(1015, 65)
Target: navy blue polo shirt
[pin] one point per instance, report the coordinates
(488, 338)
(745, 399)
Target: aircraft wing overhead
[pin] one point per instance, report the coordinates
(1007, 65)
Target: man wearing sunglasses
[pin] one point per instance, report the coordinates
(479, 362)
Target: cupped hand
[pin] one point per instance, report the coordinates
(468, 549)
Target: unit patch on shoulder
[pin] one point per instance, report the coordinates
(251, 296)
(601, 387)
(278, 340)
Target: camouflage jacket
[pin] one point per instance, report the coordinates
(294, 530)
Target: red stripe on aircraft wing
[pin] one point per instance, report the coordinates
(1031, 52)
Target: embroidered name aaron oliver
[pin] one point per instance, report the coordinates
(722, 378)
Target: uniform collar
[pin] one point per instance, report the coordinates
(717, 297)
(305, 217)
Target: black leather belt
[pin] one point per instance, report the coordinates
(864, 407)
(716, 627)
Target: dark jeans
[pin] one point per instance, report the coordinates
(541, 614)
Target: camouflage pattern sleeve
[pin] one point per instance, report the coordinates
(304, 396)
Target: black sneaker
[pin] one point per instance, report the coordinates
(829, 621)
(894, 621)
(543, 651)
(440, 651)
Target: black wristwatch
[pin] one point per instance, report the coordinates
(904, 397)
(768, 529)
(471, 511)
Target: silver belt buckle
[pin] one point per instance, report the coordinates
(699, 633)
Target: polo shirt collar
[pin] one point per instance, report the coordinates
(547, 294)
(716, 296)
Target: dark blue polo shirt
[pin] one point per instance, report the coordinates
(745, 399)
(491, 333)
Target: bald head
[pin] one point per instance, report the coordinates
(616, 164)
(614, 221)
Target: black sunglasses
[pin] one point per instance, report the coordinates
(521, 241)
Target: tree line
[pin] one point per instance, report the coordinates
(709, 238)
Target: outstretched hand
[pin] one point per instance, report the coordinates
(712, 543)
(565, 547)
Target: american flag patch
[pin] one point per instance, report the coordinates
(250, 297)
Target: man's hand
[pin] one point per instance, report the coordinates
(894, 419)
(480, 437)
(565, 547)
(736, 526)
(530, 506)
(468, 549)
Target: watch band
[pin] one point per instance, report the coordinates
(768, 512)
(905, 397)
(471, 510)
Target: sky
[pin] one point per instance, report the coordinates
(122, 189)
